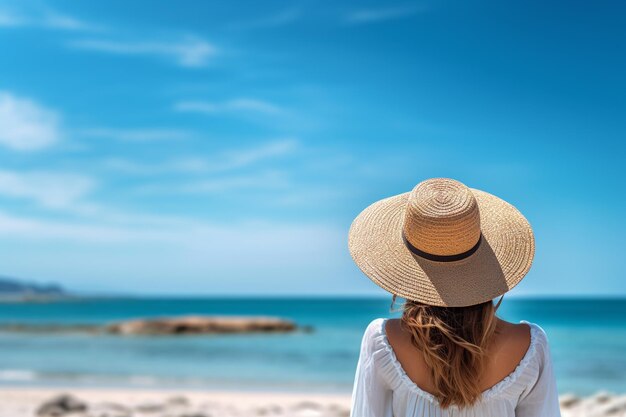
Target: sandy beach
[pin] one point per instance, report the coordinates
(28, 402)
(78, 402)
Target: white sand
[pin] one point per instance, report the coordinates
(24, 402)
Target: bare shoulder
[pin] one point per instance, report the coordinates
(513, 334)
(510, 344)
(399, 338)
(396, 334)
(411, 359)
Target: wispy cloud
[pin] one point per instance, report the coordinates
(136, 135)
(45, 19)
(71, 194)
(272, 179)
(304, 196)
(232, 183)
(244, 157)
(234, 105)
(8, 19)
(26, 125)
(280, 18)
(38, 229)
(382, 14)
(184, 165)
(102, 228)
(47, 189)
(186, 52)
(223, 161)
(66, 22)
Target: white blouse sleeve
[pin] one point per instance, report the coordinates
(371, 394)
(541, 398)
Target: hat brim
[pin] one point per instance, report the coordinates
(502, 259)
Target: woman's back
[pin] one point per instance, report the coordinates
(384, 387)
(509, 345)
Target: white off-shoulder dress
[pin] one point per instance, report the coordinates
(383, 389)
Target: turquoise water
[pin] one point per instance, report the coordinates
(588, 339)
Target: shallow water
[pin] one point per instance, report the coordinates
(588, 355)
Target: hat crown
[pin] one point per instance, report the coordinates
(442, 217)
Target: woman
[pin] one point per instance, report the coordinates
(449, 251)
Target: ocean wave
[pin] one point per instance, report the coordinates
(17, 375)
(26, 375)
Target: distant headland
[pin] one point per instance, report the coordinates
(12, 290)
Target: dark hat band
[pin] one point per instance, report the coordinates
(442, 258)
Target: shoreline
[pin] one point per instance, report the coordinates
(160, 402)
(122, 402)
(196, 393)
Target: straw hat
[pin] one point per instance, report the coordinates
(443, 244)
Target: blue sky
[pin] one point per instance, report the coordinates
(225, 147)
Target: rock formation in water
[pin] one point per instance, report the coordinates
(201, 325)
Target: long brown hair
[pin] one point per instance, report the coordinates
(453, 341)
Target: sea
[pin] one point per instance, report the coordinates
(587, 338)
